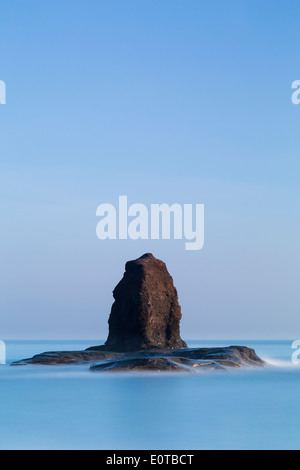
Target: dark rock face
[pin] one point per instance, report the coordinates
(146, 312)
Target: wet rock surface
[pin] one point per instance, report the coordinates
(180, 360)
(65, 357)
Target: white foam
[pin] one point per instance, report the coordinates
(278, 362)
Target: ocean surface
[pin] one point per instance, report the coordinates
(69, 407)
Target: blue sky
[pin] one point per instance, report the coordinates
(162, 101)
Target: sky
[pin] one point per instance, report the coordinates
(164, 101)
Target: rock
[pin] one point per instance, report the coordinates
(65, 357)
(146, 312)
(182, 360)
(232, 356)
(159, 360)
(144, 331)
(154, 364)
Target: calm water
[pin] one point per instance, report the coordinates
(68, 407)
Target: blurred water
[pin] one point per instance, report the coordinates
(68, 407)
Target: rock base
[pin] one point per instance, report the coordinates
(181, 360)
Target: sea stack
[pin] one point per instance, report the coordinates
(146, 313)
(144, 331)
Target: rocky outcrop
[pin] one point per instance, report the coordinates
(146, 312)
(144, 331)
(181, 360)
(66, 357)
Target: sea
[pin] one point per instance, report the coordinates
(68, 407)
